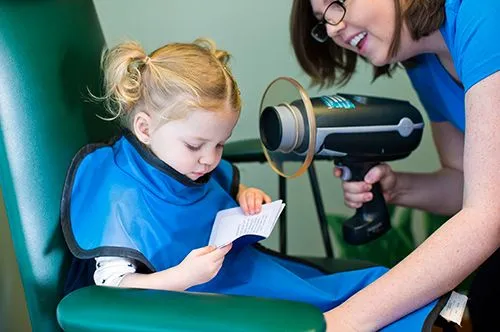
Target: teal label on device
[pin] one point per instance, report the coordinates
(336, 102)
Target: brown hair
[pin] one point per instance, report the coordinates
(171, 81)
(327, 64)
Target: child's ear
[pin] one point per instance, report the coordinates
(142, 127)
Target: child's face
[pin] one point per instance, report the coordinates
(193, 145)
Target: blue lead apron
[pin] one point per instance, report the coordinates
(120, 200)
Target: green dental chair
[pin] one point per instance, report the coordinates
(50, 52)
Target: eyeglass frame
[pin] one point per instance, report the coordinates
(316, 31)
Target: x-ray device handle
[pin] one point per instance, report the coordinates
(372, 219)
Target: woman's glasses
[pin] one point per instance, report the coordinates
(333, 15)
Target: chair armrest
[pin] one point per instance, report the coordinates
(247, 150)
(98, 308)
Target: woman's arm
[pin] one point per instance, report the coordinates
(426, 191)
(460, 245)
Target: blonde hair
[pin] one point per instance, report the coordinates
(171, 81)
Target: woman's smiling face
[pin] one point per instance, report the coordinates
(367, 29)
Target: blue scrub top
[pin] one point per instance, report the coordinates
(470, 32)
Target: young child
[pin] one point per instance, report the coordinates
(138, 212)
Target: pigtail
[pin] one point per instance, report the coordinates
(123, 66)
(208, 44)
(222, 56)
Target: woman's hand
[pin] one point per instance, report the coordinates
(357, 193)
(251, 199)
(202, 265)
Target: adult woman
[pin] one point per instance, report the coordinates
(453, 65)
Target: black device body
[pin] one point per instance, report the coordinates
(358, 132)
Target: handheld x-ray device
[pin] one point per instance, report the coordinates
(357, 132)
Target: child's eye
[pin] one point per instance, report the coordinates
(220, 146)
(193, 148)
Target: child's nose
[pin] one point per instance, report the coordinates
(208, 159)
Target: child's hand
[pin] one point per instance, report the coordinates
(202, 265)
(251, 199)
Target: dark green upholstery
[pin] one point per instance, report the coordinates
(248, 150)
(49, 53)
(170, 311)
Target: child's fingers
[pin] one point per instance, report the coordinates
(202, 251)
(220, 252)
(267, 198)
(251, 202)
(226, 248)
(244, 204)
(258, 203)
